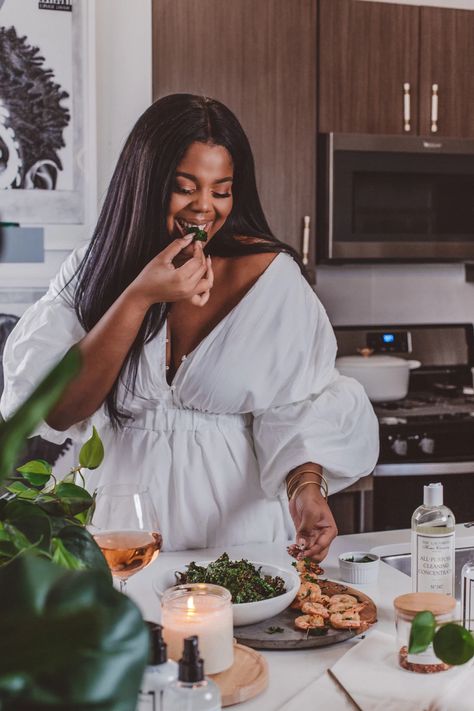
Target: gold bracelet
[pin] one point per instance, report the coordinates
(313, 480)
(300, 486)
(291, 484)
(297, 475)
(322, 484)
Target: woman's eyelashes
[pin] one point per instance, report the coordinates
(190, 191)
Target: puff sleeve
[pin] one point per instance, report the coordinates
(316, 415)
(43, 335)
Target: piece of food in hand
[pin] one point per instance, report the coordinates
(307, 566)
(244, 581)
(199, 235)
(309, 622)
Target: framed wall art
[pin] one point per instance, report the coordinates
(42, 111)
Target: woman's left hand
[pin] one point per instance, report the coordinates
(314, 523)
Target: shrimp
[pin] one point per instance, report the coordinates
(314, 608)
(308, 622)
(342, 607)
(348, 600)
(349, 619)
(309, 592)
(339, 603)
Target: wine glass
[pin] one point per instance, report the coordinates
(124, 524)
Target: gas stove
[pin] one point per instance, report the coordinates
(427, 407)
(427, 427)
(429, 435)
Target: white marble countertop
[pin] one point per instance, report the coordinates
(291, 671)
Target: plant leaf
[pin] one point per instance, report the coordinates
(19, 540)
(92, 452)
(61, 556)
(73, 498)
(22, 490)
(454, 644)
(37, 471)
(30, 520)
(422, 632)
(15, 431)
(79, 542)
(69, 640)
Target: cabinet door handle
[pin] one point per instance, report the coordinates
(406, 107)
(434, 108)
(305, 250)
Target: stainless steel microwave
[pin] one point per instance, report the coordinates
(395, 198)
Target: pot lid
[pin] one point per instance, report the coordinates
(373, 361)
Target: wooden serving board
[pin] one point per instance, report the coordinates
(259, 637)
(247, 677)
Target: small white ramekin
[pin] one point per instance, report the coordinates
(359, 573)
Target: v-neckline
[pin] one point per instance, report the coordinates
(172, 385)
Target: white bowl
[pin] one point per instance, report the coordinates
(245, 613)
(353, 571)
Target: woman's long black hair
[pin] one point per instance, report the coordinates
(131, 229)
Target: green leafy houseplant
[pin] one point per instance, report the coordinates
(452, 643)
(46, 517)
(68, 639)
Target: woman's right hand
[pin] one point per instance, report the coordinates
(160, 281)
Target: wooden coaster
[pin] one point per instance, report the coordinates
(247, 677)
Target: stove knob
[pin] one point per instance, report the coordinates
(400, 446)
(426, 444)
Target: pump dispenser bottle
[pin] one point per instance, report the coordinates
(192, 691)
(432, 546)
(159, 673)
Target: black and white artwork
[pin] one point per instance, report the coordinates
(41, 111)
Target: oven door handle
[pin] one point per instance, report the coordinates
(424, 468)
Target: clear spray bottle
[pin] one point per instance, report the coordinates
(192, 691)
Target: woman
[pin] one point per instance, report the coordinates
(209, 373)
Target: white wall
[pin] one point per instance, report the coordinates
(124, 77)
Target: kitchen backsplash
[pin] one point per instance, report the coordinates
(396, 293)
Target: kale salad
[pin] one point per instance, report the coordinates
(244, 581)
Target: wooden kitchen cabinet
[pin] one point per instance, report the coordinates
(447, 60)
(368, 51)
(258, 58)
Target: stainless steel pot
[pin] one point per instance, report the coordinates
(383, 377)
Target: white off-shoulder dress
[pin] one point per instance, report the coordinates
(256, 398)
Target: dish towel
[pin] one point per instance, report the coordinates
(372, 676)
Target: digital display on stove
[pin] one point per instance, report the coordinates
(389, 341)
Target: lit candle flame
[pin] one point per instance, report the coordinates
(191, 606)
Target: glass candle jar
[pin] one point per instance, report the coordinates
(406, 608)
(206, 611)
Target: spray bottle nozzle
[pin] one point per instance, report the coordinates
(191, 666)
(158, 647)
